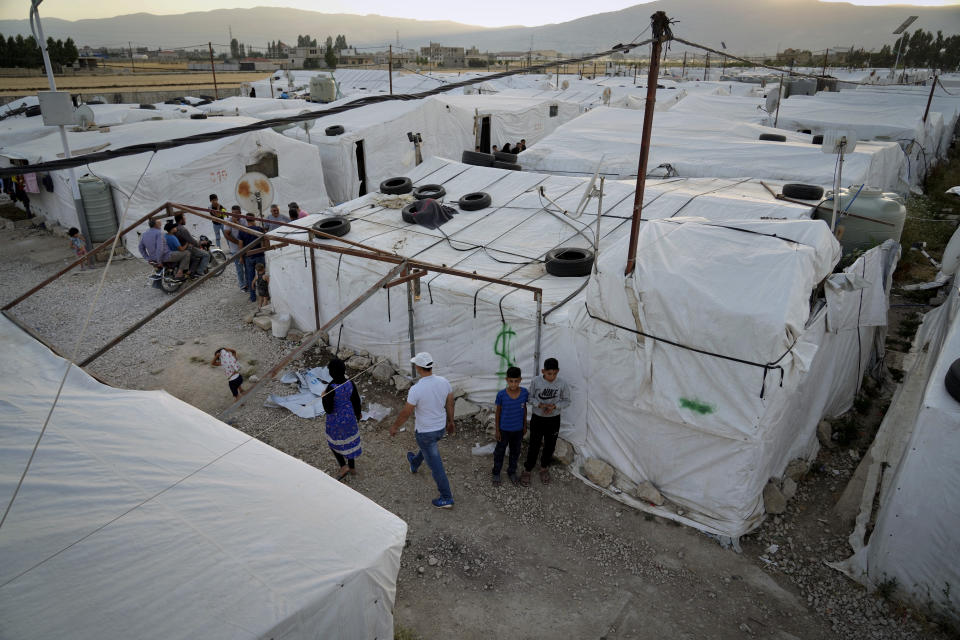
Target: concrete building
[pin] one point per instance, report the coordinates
(443, 56)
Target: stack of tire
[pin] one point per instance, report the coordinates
(401, 185)
(497, 159)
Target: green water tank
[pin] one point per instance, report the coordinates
(872, 216)
(98, 207)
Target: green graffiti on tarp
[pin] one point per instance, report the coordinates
(695, 405)
(501, 347)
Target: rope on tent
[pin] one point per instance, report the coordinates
(767, 367)
(76, 348)
(171, 486)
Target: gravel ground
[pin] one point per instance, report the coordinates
(531, 562)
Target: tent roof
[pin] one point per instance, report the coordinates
(142, 512)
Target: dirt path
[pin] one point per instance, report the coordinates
(509, 562)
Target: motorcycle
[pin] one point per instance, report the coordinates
(164, 276)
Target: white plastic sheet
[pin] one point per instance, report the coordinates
(143, 516)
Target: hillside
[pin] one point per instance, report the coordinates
(746, 26)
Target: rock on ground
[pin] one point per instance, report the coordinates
(825, 434)
(358, 362)
(383, 371)
(564, 452)
(401, 383)
(773, 499)
(598, 472)
(464, 409)
(624, 483)
(649, 493)
(263, 322)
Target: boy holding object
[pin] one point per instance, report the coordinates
(549, 396)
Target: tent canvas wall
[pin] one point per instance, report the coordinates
(448, 125)
(187, 174)
(144, 517)
(475, 329)
(912, 478)
(704, 147)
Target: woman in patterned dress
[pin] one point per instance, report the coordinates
(341, 402)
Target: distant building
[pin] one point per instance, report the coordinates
(443, 56)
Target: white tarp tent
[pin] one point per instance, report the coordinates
(704, 146)
(144, 517)
(187, 174)
(912, 478)
(448, 125)
(715, 464)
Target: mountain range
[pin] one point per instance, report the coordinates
(745, 26)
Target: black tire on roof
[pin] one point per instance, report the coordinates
(802, 191)
(411, 210)
(773, 137)
(952, 380)
(475, 201)
(567, 262)
(817, 139)
(198, 116)
(477, 158)
(396, 186)
(424, 191)
(334, 225)
(334, 130)
(512, 166)
(503, 156)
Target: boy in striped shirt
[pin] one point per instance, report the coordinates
(511, 422)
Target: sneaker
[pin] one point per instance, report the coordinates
(495, 479)
(514, 478)
(442, 503)
(410, 459)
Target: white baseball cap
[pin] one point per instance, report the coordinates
(423, 359)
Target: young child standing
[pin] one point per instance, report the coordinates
(549, 395)
(511, 422)
(226, 358)
(79, 245)
(261, 284)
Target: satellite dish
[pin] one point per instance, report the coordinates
(306, 125)
(83, 117)
(950, 263)
(835, 141)
(565, 85)
(254, 193)
(606, 96)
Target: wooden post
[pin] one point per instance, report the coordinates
(706, 68)
(826, 54)
(926, 111)
(313, 277)
(213, 70)
(661, 32)
(410, 332)
(390, 67)
(683, 74)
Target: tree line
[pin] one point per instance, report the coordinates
(920, 49)
(17, 51)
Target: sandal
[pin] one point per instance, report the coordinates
(525, 479)
(343, 474)
(545, 476)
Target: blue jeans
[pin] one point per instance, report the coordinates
(250, 266)
(430, 452)
(241, 273)
(513, 439)
(217, 230)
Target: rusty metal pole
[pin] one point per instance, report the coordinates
(661, 32)
(933, 87)
(213, 70)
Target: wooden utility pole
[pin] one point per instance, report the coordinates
(683, 74)
(826, 54)
(133, 66)
(390, 67)
(933, 87)
(706, 68)
(213, 70)
(660, 24)
(636, 67)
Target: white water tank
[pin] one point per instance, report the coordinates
(872, 218)
(323, 89)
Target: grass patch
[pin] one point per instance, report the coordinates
(401, 632)
(198, 360)
(252, 363)
(886, 587)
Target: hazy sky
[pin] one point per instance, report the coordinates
(489, 13)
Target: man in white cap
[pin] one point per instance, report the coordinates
(432, 400)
